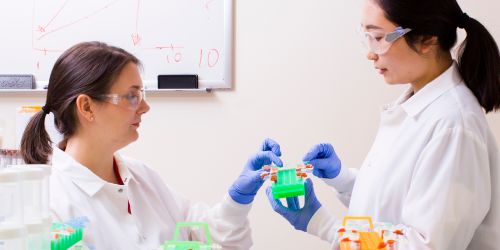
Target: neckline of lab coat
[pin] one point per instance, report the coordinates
(85, 179)
(414, 104)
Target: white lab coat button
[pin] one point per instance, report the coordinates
(120, 190)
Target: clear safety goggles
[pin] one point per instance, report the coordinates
(379, 42)
(131, 100)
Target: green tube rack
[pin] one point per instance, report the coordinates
(64, 236)
(177, 244)
(288, 184)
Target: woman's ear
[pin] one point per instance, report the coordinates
(85, 107)
(427, 44)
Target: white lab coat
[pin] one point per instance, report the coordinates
(433, 169)
(75, 191)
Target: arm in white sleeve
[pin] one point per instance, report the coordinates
(324, 225)
(450, 192)
(228, 222)
(343, 184)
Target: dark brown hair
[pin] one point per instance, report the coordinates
(478, 56)
(86, 68)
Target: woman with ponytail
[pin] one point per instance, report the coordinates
(97, 97)
(434, 167)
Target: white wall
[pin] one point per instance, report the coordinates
(301, 77)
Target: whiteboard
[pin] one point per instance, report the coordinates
(168, 36)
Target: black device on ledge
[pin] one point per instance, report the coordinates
(177, 81)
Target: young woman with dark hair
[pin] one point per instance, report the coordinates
(96, 95)
(434, 167)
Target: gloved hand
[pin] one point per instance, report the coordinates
(249, 182)
(298, 217)
(325, 161)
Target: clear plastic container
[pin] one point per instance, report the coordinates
(39, 234)
(5, 158)
(44, 188)
(24, 192)
(33, 192)
(11, 211)
(10, 157)
(19, 158)
(13, 237)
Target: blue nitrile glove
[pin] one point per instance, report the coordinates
(249, 182)
(298, 217)
(78, 222)
(271, 145)
(325, 161)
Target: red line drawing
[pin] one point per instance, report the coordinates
(208, 3)
(136, 39)
(171, 46)
(213, 54)
(211, 65)
(178, 57)
(78, 20)
(55, 19)
(40, 29)
(55, 15)
(45, 50)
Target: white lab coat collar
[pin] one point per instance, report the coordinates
(414, 104)
(123, 169)
(85, 179)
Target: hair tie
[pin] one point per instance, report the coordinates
(46, 110)
(463, 20)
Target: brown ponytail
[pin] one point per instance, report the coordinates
(35, 143)
(479, 64)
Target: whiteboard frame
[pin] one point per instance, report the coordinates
(203, 85)
(229, 42)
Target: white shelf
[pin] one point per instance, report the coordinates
(23, 90)
(13, 91)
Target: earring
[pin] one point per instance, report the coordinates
(92, 118)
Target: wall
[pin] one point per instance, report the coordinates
(301, 77)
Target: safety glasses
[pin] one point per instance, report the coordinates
(379, 42)
(131, 100)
